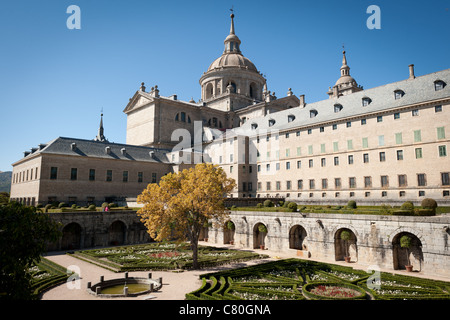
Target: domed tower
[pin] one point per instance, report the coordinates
(345, 84)
(232, 81)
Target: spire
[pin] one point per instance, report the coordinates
(100, 136)
(232, 41)
(345, 69)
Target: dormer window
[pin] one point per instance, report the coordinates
(337, 107)
(439, 85)
(366, 101)
(313, 113)
(398, 94)
(291, 118)
(271, 122)
(254, 126)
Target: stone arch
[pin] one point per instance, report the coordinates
(209, 91)
(229, 229)
(259, 236)
(71, 236)
(297, 235)
(400, 255)
(117, 233)
(345, 248)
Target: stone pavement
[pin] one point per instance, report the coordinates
(175, 284)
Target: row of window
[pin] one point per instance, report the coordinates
(92, 176)
(25, 175)
(351, 194)
(367, 182)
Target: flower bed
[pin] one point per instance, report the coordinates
(329, 290)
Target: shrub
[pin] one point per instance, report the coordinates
(292, 206)
(281, 203)
(112, 205)
(259, 205)
(428, 203)
(401, 212)
(92, 207)
(47, 207)
(62, 205)
(408, 205)
(74, 206)
(425, 212)
(104, 205)
(351, 204)
(233, 207)
(268, 203)
(39, 205)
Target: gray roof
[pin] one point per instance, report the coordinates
(417, 90)
(98, 149)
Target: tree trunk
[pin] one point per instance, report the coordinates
(194, 247)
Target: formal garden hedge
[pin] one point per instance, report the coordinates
(161, 256)
(296, 279)
(45, 275)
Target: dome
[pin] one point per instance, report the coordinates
(233, 60)
(345, 79)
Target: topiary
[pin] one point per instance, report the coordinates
(428, 203)
(74, 206)
(47, 207)
(259, 205)
(408, 205)
(268, 203)
(292, 206)
(62, 205)
(351, 204)
(92, 207)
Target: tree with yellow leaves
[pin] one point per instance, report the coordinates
(184, 202)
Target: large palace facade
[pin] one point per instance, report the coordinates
(387, 144)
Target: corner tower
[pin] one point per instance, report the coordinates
(232, 81)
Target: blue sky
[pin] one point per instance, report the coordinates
(54, 81)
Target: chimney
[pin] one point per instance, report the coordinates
(411, 71)
(302, 100)
(335, 92)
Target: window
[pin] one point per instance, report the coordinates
(397, 115)
(337, 108)
(350, 159)
(183, 116)
(421, 179)
(140, 176)
(401, 194)
(299, 151)
(439, 85)
(366, 101)
(349, 144)
(250, 187)
(244, 186)
(288, 152)
(384, 181)
(91, 174)
(299, 164)
(367, 182)
(398, 94)
(271, 122)
(268, 185)
(125, 176)
(278, 185)
(73, 173)
(322, 129)
(291, 118)
(418, 152)
(384, 193)
(334, 126)
(336, 161)
(309, 131)
(258, 168)
(323, 162)
(381, 141)
(310, 149)
(398, 138)
(268, 167)
(421, 193)
(288, 165)
(399, 154)
(337, 183)
(313, 113)
(277, 166)
(366, 158)
(442, 151)
(324, 183)
(299, 184)
(311, 163)
(286, 135)
(53, 173)
(349, 124)
(415, 112)
(288, 185)
(254, 126)
(109, 175)
(380, 119)
(259, 186)
(417, 136)
(363, 121)
(440, 133)
(402, 180)
(352, 182)
(445, 178)
(365, 142)
(438, 108)
(335, 146)
(322, 148)
(231, 169)
(312, 184)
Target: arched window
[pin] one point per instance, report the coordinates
(233, 87)
(313, 113)
(177, 117)
(291, 118)
(183, 117)
(366, 101)
(252, 90)
(209, 91)
(254, 126)
(439, 85)
(271, 122)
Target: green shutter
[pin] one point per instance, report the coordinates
(365, 142)
(398, 138)
(335, 146)
(417, 136)
(440, 133)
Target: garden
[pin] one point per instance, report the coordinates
(161, 256)
(46, 274)
(296, 279)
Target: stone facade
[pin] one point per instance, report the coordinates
(375, 238)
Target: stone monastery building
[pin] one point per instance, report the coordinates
(387, 144)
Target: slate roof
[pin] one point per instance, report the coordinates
(97, 149)
(418, 90)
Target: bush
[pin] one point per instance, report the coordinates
(268, 203)
(62, 205)
(401, 212)
(428, 203)
(425, 212)
(351, 204)
(104, 205)
(74, 206)
(292, 206)
(259, 205)
(233, 207)
(92, 207)
(281, 203)
(47, 207)
(112, 205)
(408, 205)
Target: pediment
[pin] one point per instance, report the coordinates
(139, 100)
